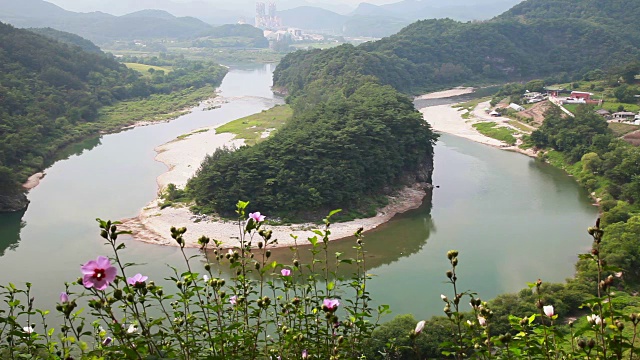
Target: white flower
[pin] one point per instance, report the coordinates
(548, 310)
(594, 319)
(597, 320)
(419, 326)
(28, 329)
(444, 298)
(205, 277)
(469, 323)
(132, 329)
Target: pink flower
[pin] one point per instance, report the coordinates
(233, 300)
(482, 321)
(64, 298)
(256, 217)
(548, 310)
(331, 304)
(285, 272)
(419, 326)
(98, 273)
(305, 354)
(137, 279)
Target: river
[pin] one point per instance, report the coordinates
(512, 219)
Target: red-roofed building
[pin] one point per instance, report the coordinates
(581, 95)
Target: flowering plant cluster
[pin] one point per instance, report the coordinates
(266, 310)
(607, 333)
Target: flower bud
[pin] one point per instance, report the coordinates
(117, 294)
(268, 253)
(591, 343)
(207, 266)
(449, 274)
(452, 254)
(582, 344)
(524, 321)
(296, 263)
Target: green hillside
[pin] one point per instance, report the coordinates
(51, 95)
(534, 39)
(68, 38)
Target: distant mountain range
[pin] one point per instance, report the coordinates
(462, 10)
(100, 27)
(555, 40)
(384, 20)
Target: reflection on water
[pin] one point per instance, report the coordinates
(10, 226)
(411, 230)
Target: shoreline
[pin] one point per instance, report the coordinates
(152, 224)
(34, 180)
(447, 119)
(184, 155)
(457, 91)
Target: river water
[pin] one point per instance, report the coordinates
(513, 219)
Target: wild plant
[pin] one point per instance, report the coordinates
(264, 310)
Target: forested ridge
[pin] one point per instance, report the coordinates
(537, 38)
(51, 94)
(341, 152)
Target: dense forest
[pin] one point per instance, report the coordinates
(534, 39)
(68, 38)
(334, 153)
(51, 94)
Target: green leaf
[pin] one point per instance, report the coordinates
(333, 212)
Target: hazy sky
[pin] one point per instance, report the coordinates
(84, 4)
(179, 7)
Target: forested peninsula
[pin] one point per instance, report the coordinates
(345, 146)
(53, 94)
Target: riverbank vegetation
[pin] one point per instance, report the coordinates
(55, 94)
(491, 130)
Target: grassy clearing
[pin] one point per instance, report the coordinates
(158, 107)
(520, 126)
(184, 136)
(613, 106)
(620, 129)
(252, 127)
(470, 105)
(499, 133)
(144, 69)
(571, 107)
